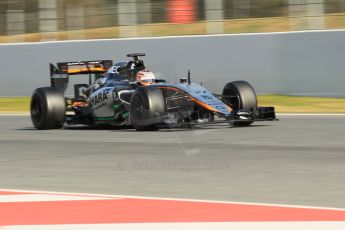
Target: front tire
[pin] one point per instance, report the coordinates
(146, 108)
(47, 108)
(240, 95)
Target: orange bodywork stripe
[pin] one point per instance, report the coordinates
(80, 104)
(208, 106)
(82, 70)
(168, 87)
(204, 105)
(196, 100)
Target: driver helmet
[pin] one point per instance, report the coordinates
(145, 77)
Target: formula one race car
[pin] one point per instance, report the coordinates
(127, 94)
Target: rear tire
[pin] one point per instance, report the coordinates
(240, 95)
(146, 108)
(47, 108)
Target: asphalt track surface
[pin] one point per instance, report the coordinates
(298, 160)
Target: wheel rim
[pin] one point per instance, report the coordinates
(36, 110)
(137, 108)
(233, 98)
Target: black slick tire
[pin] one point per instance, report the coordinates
(240, 95)
(146, 108)
(47, 108)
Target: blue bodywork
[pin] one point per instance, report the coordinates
(202, 95)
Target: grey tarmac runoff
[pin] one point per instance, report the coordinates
(298, 160)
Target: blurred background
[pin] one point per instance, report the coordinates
(49, 20)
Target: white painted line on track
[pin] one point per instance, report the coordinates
(46, 197)
(278, 114)
(172, 199)
(174, 37)
(311, 114)
(14, 114)
(283, 225)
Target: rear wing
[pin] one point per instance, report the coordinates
(84, 67)
(60, 73)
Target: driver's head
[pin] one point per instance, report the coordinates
(145, 77)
